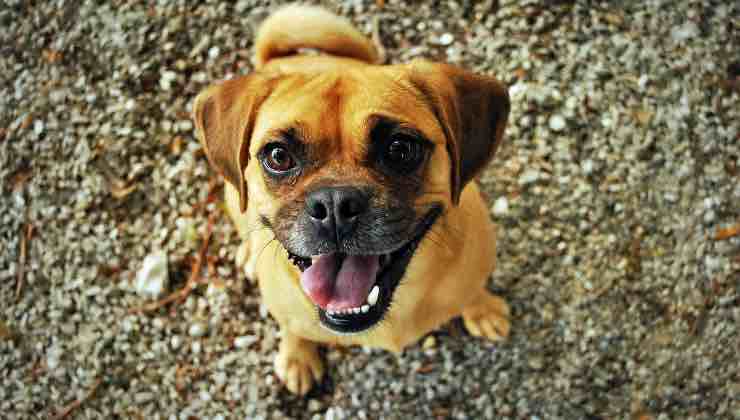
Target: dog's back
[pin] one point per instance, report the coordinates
(297, 27)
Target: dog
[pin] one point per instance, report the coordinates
(352, 186)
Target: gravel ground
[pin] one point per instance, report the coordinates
(616, 194)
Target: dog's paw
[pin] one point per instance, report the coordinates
(299, 365)
(488, 317)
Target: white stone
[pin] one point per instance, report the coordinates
(153, 277)
(38, 127)
(685, 31)
(501, 206)
(529, 176)
(642, 82)
(143, 397)
(245, 341)
(197, 329)
(446, 39)
(517, 89)
(205, 396)
(165, 81)
(213, 53)
(556, 123)
(571, 103)
(53, 357)
(587, 166)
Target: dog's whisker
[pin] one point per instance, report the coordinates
(275, 254)
(259, 254)
(250, 232)
(452, 229)
(438, 240)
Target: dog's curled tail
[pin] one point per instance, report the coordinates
(300, 26)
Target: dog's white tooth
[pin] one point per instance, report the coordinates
(365, 308)
(372, 298)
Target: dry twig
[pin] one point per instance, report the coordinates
(69, 408)
(727, 233)
(378, 41)
(25, 237)
(214, 187)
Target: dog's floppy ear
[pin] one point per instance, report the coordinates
(224, 116)
(472, 110)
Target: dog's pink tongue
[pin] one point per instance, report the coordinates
(337, 287)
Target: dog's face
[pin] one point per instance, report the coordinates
(351, 169)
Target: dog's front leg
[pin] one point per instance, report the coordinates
(487, 316)
(298, 363)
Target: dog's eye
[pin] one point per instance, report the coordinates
(278, 159)
(404, 154)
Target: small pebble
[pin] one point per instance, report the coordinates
(197, 329)
(529, 176)
(446, 39)
(501, 206)
(152, 279)
(245, 341)
(556, 123)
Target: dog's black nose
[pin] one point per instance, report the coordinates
(335, 210)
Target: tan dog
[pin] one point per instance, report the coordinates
(350, 185)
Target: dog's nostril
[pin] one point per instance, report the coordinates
(317, 210)
(350, 208)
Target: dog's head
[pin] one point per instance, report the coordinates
(351, 169)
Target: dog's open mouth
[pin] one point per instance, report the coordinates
(353, 292)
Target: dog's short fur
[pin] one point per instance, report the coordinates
(333, 160)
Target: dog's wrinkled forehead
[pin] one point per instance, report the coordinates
(336, 111)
